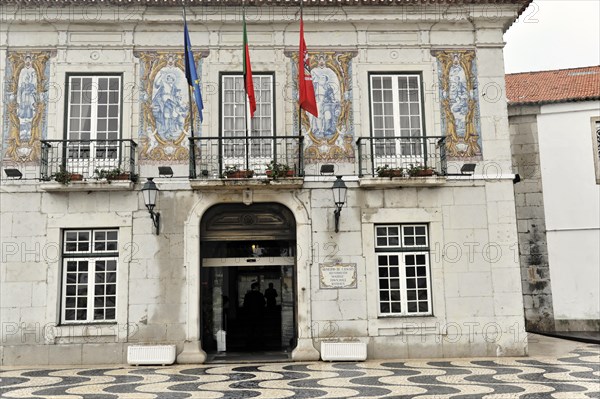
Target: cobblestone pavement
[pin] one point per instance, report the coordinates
(571, 376)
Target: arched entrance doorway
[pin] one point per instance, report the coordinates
(247, 280)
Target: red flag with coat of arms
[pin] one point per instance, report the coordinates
(248, 82)
(306, 89)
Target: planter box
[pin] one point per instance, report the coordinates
(422, 173)
(122, 176)
(65, 179)
(289, 173)
(240, 174)
(336, 351)
(151, 354)
(391, 173)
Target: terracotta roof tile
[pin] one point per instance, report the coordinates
(562, 85)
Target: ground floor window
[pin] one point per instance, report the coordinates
(402, 254)
(89, 275)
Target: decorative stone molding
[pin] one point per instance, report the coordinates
(90, 185)
(192, 353)
(390, 182)
(243, 184)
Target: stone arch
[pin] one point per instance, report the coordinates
(192, 348)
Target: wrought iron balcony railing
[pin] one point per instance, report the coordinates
(401, 152)
(88, 159)
(213, 157)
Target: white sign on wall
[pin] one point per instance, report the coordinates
(337, 275)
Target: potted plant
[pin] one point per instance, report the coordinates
(233, 172)
(420, 171)
(388, 171)
(65, 177)
(276, 169)
(112, 174)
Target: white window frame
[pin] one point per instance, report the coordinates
(263, 123)
(397, 151)
(596, 146)
(92, 257)
(98, 155)
(400, 246)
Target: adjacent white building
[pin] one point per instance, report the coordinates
(555, 131)
(95, 102)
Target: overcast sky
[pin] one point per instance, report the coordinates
(554, 34)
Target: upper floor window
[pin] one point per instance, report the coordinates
(397, 132)
(94, 114)
(89, 275)
(396, 111)
(402, 253)
(235, 119)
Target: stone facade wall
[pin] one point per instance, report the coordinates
(531, 222)
(476, 295)
(475, 285)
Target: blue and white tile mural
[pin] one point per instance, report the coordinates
(331, 134)
(459, 99)
(25, 105)
(164, 107)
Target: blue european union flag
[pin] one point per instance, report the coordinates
(190, 72)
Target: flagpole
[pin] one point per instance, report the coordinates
(246, 121)
(189, 88)
(300, 61)
(192, 166)
(300, 141)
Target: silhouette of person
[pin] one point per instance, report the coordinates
(270, 295)
(254, 306)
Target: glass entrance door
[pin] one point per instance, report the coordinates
(247, 282)
(248, 304)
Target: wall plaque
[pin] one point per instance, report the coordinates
(337, 275)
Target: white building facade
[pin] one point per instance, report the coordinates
(94, 101)
(555, 131)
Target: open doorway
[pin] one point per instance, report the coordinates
(247, 282)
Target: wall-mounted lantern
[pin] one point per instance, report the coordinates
(150, 192)
(339, 198)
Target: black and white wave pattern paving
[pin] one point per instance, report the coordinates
(576, 375)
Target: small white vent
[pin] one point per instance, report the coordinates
(151, 354)
(331, 351)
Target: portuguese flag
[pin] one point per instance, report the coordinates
(248, 83)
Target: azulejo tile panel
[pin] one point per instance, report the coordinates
(459, 100)
(26, 105)
(164, 107)
(330, 136)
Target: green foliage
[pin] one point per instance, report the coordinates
(108, 174)
(388, 171)
(114, 174)
(229, 169)
(233, 171)
(62, 176)
(276, 169)
(419, 170)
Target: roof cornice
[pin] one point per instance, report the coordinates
(189, 3)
